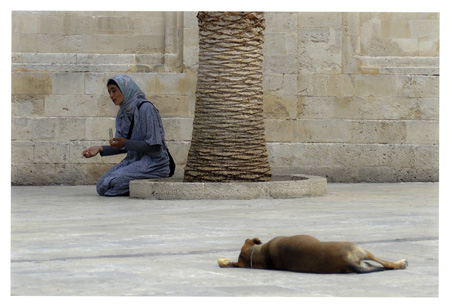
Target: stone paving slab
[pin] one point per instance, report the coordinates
(69, 241)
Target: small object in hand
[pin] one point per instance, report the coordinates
(110, 134)
(223, 261)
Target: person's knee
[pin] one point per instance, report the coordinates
(101, 189)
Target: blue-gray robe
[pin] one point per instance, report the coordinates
(147, 155)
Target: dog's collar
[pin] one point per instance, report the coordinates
(251, 257)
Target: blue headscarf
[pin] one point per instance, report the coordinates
(132, 96)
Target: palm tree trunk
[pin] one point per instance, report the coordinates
(228, 141)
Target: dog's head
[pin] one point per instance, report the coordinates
(244, 256)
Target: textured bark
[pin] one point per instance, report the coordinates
(228, 140)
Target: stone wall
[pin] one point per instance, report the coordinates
(350, 96)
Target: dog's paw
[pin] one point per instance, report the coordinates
(223, 262)
(403, 263)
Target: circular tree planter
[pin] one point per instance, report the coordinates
(280, 187)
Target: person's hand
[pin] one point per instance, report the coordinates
(92, 151)
(117, 143)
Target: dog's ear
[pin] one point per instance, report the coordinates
(256, 241)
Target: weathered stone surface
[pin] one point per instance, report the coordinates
(346, 95)
(281, 187)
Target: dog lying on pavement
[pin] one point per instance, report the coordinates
(304, 253)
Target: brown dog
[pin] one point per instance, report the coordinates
(304, 253)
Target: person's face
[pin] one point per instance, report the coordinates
(115, 94)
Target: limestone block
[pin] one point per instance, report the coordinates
(286, 64)
(50, 43)
(422, 132)
(51, 23)
(395, 28)
(21, 129)
(178, 129)
(350, 23)
(428, 108)
(280, 22)
(424, 28)
(190, 37)
(114, 25)
(312, 154)
(190, 19)
(355, 155)
(305, 84)
(179, 151)
(319, 20)
(71, 105)
(426, 157)
(279, 44)
(24, 42)
(149, 63)
(51, 152)
(280, 84)
(280, 154)
(308, 158)
(375, 85)
(31, 83)
(375, 175)
(70, 128)
(43, 128)
(279, 130)
(406, 46)
(428, 47)
(277, 107)
(95, 83)
(70, 174)
(101, 43)
(173, 105)
(350, 48)
(105, 107)
(151, 23)
(175, 84)
(321, 130)
(416, 175)
(97, 58)
(382, 132)
(25, 22)
(317, 108)
(48, 58)
(190, 57)
(68, 83)
(319, 58)
(97, 128)
(418, 86)
(32, 174)
(314, 36)
(340, 85)
(398, 155)
(79, 23)
(22, 152)
(372, 108)
(144, 44)
(27, 105)
(317, 84)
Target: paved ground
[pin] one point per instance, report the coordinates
(68, 241)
